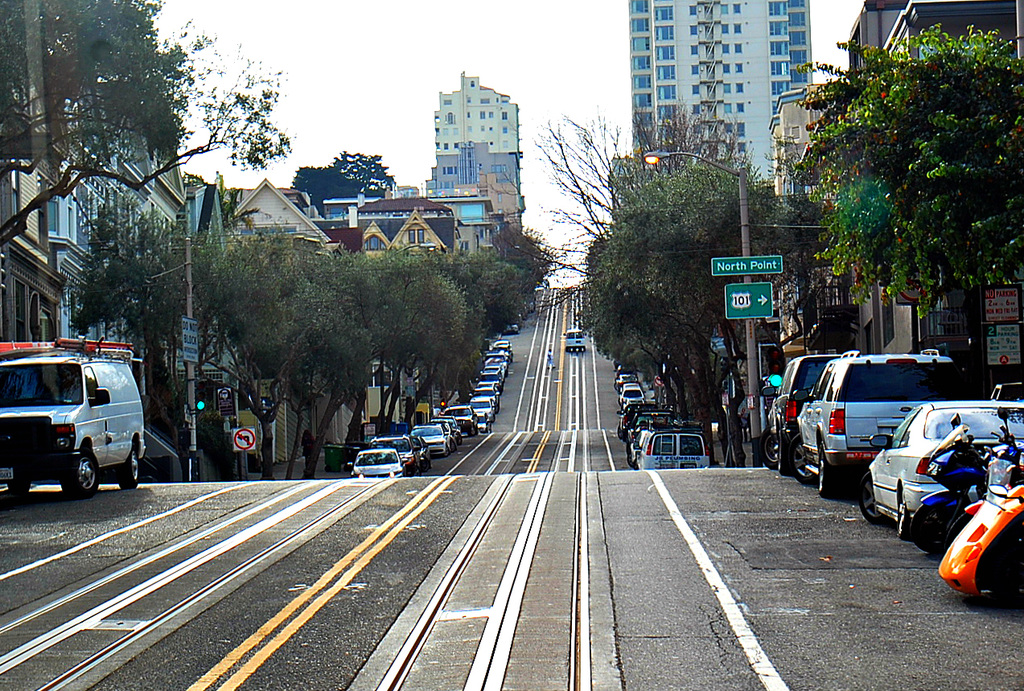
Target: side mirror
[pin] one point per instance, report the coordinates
(102, 397)
(881, 441)
(769, 391)
(801, 395)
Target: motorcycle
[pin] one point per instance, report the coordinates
(960, 467)
(411, 466)
(987, 556)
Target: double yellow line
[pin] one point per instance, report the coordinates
(293, 616)
(532, 468)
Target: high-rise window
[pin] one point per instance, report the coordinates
(665, 53)
(798, 57)
(694, 70)
(666, 72)
(641, 44)
(778, 48)
(642, 62)
(778, 28)
(737, 28)
(693, 50)
(642, 81)
(779, 68)
(798, 38)
(798, 19)
(739, 68)
(664, 14)
(740, 107)
(779, 88)
(639, 7)
(640, 25)
(778, 8)
(667, 92)
(642, 100)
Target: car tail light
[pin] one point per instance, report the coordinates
(650, 447)
(837, 421)
(922, 465)
(792, 410)
(900, 361)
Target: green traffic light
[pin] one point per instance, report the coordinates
(775, 380)
(200, 405)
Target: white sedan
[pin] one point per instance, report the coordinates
(895, 482)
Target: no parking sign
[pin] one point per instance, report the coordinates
(243, 438)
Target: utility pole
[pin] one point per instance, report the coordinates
(190, 367)
(1020, 28)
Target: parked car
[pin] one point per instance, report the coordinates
(781, 429)
(498, 370)
(629, 412)
(377, 462)
(69, 416)
(490, 378)
(483, 405)
(510, 329)
(434, 437)
(575, 341)
(648, 420)
(491, 389)
(466, 418)
(661, 449)
(895, 482)
(625, 378)
(630, 393)
(503, 346)
(403, 444)
(857, 397)
(451, 431)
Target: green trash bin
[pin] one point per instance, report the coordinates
(333, 457)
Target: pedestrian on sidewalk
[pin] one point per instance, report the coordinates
(551, 359)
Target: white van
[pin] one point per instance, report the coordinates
(574, 340)
(663, 449)
(67, 417)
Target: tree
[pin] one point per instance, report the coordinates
(919, 151)
(348, 176)
(86, 88)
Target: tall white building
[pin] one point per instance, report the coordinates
(724, 62)
(476, 141)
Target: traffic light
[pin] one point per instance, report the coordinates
(775, 362)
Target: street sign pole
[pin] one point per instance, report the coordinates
(753, 362)
(190, 367)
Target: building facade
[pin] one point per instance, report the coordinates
(725, 63)
(477, 150)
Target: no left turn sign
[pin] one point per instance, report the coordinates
(243, 438)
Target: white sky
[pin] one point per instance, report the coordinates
(364, 76)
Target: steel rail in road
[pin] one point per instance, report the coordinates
(493, 647)
(95, 617)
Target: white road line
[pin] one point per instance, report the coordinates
(501, 456)
(465, 458)
(120, 531)
(756, 657)
(611, 461)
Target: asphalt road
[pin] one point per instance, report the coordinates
(495, 572)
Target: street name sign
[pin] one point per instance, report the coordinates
(189, 340)
(745, 266)
(748, 300)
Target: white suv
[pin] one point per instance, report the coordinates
(857, 397)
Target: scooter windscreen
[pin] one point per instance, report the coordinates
(956, 434)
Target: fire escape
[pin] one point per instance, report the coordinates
(709, 46)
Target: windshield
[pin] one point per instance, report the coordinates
(479, 405)
(40, 384)
(982, 423)
(432, 431)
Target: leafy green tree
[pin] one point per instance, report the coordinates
(86, 87)
(347, 176)
(132, 286)
(919, 153)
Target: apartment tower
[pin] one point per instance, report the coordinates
(726, 63)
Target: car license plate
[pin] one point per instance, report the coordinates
(6, 473)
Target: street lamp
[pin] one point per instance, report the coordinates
(753, 361)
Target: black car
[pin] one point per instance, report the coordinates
(781, 430)
(629, 412)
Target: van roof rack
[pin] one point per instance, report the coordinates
(10, 350)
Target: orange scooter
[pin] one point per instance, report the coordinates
(987, 556)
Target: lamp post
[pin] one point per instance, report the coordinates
(753, 359)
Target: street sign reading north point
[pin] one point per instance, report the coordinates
(748, 300)
(744, 266)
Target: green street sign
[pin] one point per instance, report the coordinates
(745, 266)
(748, 300)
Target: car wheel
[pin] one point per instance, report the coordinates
(866, 499)
(84, 480)
(801, 464)
(19, 487)
(786, 459)
(902, 517)
(828, 476)
(928, 528)
(770, 450)
(128, 472)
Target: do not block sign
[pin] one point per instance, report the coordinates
(243, 438)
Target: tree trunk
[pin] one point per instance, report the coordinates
(425, 387)
(355, 425)
(267, 445)
(333, 406)
(300, 415)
